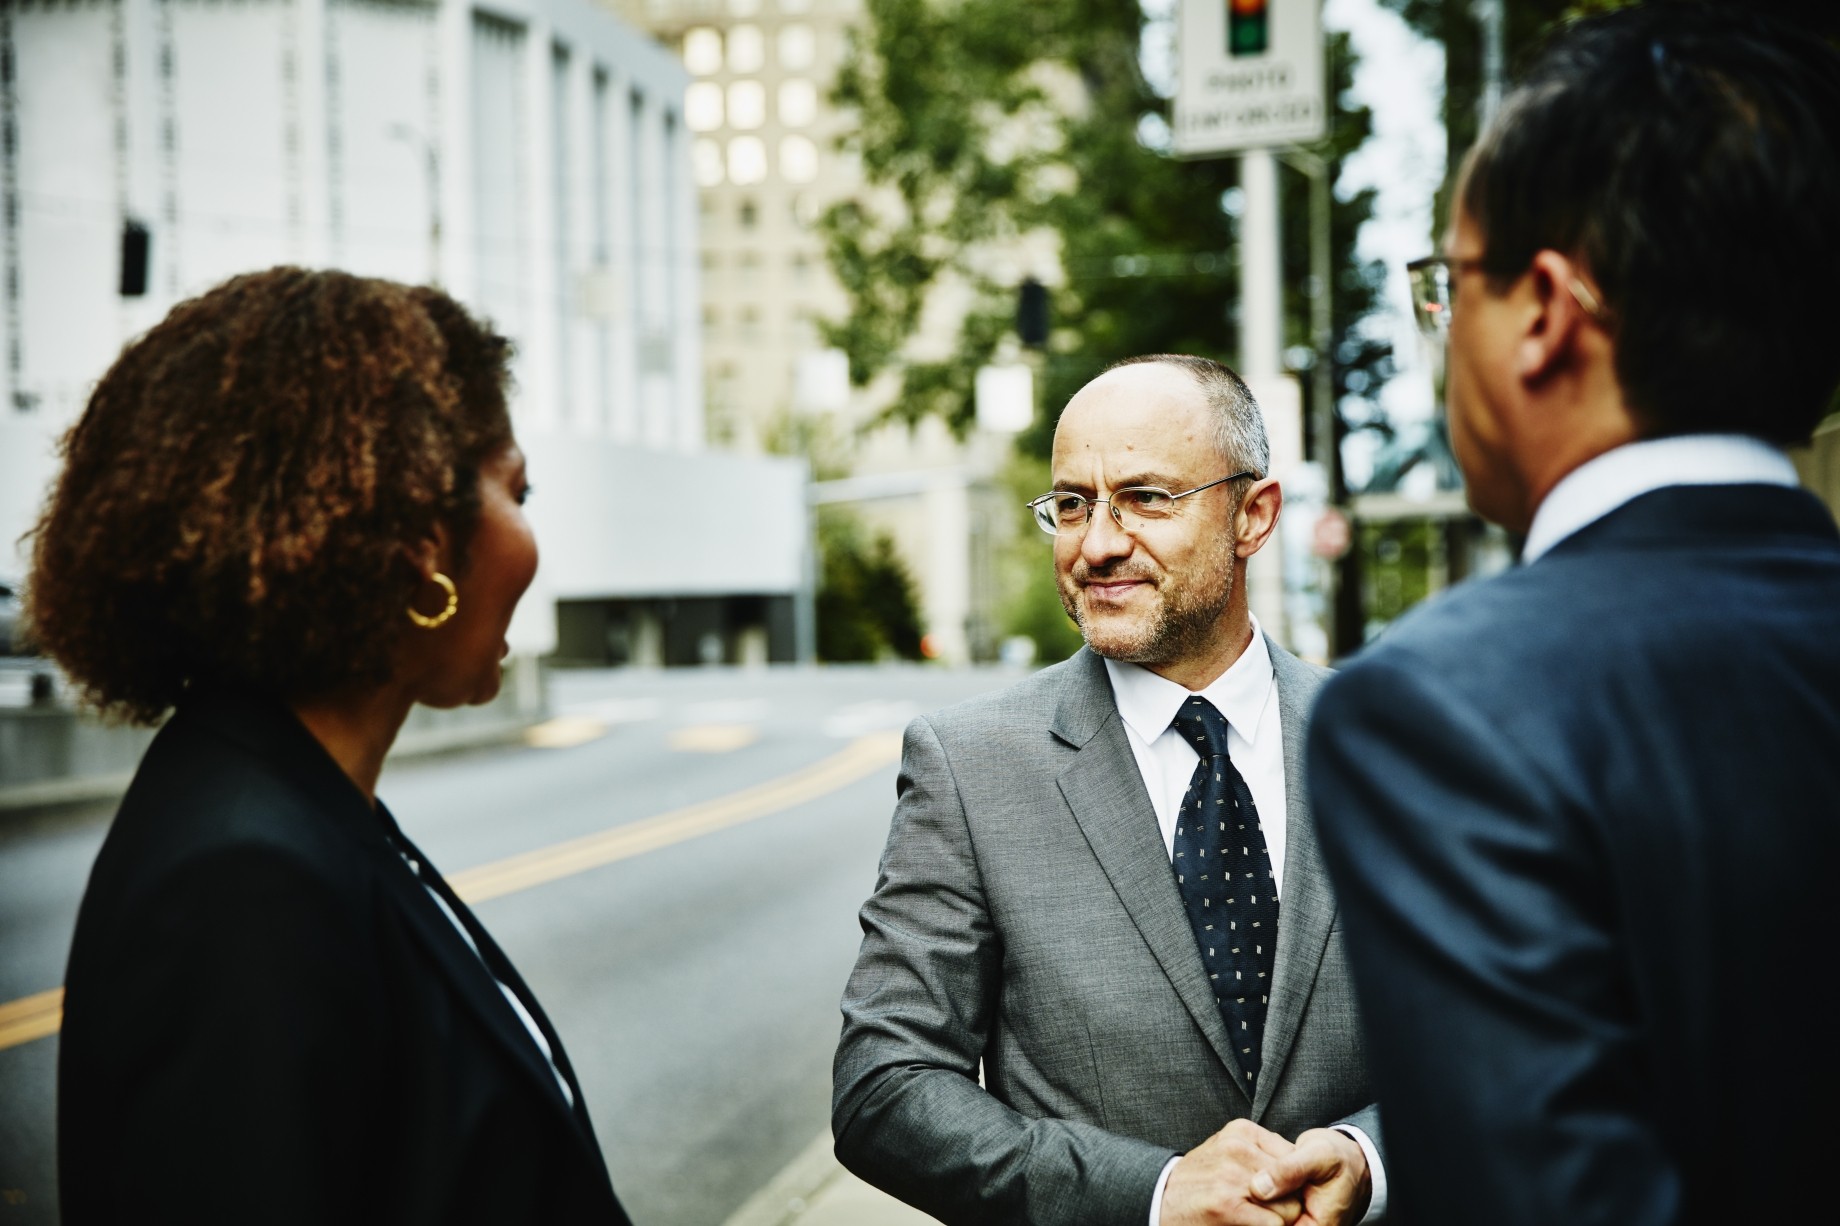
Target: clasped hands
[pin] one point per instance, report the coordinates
(1244, 1175)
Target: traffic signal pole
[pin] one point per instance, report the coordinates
(1261, 312)
(1261, 344)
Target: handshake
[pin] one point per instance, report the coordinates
(1245, 1175)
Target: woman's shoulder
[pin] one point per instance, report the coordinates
(231, 781)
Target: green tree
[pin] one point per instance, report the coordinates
(867, 609)
(1029, 599)
(1527, 25)
(982, 121)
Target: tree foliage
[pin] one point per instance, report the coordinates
(986, 121)
(1528, 24)
(866, 605)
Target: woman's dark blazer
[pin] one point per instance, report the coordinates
(267, 1018)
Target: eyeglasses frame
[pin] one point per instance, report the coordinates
(1117, 515)
(1440, 330)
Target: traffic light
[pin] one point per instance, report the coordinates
(134, 244)
(1032, 313)
(1248, 27)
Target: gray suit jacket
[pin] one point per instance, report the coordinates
(1027, 920)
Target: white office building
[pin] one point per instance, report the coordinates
(529, 155)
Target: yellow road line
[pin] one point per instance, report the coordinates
(863, 757)
(714, 738)
(31, 1017)
(34, 1017)
(565, 732)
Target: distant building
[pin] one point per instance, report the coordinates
(762, 134)
(531, 156)
(764, 151)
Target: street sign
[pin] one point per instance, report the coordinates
(1333, 535)
(1005, 397)
(1251, 76)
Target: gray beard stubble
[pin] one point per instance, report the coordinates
(1184, 625)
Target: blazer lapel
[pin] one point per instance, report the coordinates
(1105, 792)
(1306, 908)
(471, 980)
(502, 967)
(269, 729)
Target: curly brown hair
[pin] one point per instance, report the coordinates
(237, 496)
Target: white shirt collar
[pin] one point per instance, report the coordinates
(1623, 474)
(1148, 702)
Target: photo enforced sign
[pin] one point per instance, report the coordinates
(1252, 75)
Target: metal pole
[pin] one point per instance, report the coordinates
(1322, 329)
(1490, 16)
(1261, 294)
(1322, 317)
(1261, 341)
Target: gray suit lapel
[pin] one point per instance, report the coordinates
(1105, 791)
(1306, 908)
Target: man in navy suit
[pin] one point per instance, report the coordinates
(1584, 818)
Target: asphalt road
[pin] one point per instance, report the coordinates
(692, 964)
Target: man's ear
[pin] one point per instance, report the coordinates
(1258, 516)
(1552, 320)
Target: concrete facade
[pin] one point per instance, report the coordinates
(766, 156)
(528, 155)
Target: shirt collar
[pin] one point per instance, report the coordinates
(1148, 703)
(1623, 474)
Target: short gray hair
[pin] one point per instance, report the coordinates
(1240, 431)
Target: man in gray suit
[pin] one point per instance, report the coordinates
(1071, 1005)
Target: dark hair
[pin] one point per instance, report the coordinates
(1690, 159)
(237, 496)
(1242, 439)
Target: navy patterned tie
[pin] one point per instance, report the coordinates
(1224, 874)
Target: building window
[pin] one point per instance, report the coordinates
(749, 268)
(702, 50)
(747, 105)
(706, 155)
(750, 323)
(798, 160)
(750, 213)
(703, 106)
(798, 102)
(711, 261)
(711, 319)
(747, 160)
(744, 8)
(747, 50)
(798, 47)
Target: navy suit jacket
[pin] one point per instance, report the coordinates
(267, 1018)
(1584, 821)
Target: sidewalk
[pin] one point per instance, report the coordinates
(814, 1190)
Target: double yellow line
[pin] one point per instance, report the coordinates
(34, 1017)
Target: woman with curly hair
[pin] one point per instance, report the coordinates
(289, 513)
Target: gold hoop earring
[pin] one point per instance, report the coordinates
(439, 619)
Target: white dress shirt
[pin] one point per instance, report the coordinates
(1247, 695)
(1623, 474)
(517, 1006)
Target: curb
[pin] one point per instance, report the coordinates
(427, 743)
(789, 1193)
(814, 1190)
